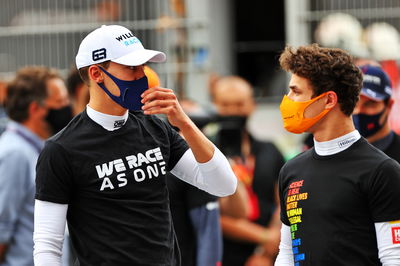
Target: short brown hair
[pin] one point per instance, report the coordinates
(29, 85)
(83, 72)
(231, 81)
(328, 69)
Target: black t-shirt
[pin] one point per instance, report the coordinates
(114, 185)
(332, 202)
(393, 151)
(183, 198)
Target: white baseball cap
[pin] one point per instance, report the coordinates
(115, 43)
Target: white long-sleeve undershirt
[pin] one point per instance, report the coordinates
(389, 253)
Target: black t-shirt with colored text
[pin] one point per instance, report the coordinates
(332, 202)
(114, 185)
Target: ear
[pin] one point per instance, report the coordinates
(331, 100)
(95, 74)
(390, 104)
(35, 109)
(252, 105)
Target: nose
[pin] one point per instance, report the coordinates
(290, 95)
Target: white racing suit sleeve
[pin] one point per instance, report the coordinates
(285, 256)
(48, 232)
(215, 176)
(388, 238)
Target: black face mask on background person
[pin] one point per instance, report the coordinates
(229, 138)
(59, 118)
(368, 125)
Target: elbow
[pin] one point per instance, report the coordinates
(233, 186)
(229, 188)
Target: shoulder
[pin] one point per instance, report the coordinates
(148, 120)
(74, 127)
(388, 168)
(53, 148)
(16, 160)
(12, 147)
(300, 158)
(395, 145)
(366, 151)
(296, 169)
(10, 140)
(155, 125)
(373, 163)
(394, 148)
(295, 164)
(15, 155)
(390, 163)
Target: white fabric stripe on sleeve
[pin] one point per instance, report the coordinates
(285, 256)
(48, 232)
(215, 176)
(388, 238)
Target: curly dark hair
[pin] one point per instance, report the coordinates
(328, 69)
(29, 85)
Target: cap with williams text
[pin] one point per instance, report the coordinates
(115, 43)
(376, 83)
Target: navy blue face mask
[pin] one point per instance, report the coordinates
(130, 91)
(368, 125)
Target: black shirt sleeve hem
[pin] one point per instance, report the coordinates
(172, 165)
(382, 219)
(50, 199)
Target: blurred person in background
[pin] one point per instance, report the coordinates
(195, 213)
(77, 90)
(33, 96)
(257, 165)
(98, 11)
(307, 142)
(371, 113)
(378, 43)
(3, 114)
(339, 199)
(60, 110)
(196, 218)
(383, 40)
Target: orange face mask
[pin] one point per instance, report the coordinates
(152, 77)
(293, 114)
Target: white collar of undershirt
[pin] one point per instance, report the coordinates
(337, 145)
(109, 122)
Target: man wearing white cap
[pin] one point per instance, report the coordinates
(105, 172)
